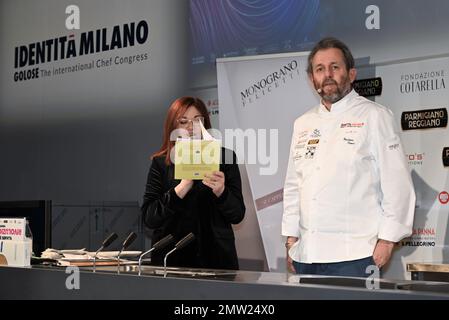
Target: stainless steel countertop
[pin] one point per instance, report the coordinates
(275, 278)
(48, 282)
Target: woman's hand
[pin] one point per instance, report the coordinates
(183, 188)
(215, 181)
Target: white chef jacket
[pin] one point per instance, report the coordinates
(347, 184)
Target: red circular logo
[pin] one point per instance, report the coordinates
(443, 197)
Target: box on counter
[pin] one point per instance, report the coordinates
(15, 244)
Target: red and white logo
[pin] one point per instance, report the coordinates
(352, 125)
(443, 197)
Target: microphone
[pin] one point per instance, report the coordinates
(158, 245)
(130, 239)
(104, 245)
(181, 243)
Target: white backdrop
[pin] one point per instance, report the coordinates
(283, 96)
(415, 86)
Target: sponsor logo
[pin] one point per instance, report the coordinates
(314, 141)
(415, 159)
(316, 134)
(270, 199)
(212, 103)
(393, 146)
(274, 80)
(14, 232)
(424, 232)
(424, 119)
(421, 237)
(368, 87)
(418, 243)
(422, 81)
(446, 157)
(443, 197)
(87, 43)
(349, 140)
(310, 153)
(352, 125)
(212, 106)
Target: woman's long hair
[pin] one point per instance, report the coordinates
(176, 110)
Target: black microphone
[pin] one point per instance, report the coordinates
(104, 245)
(181, 244)
(185, 241)
(158, 245)
(130, 239)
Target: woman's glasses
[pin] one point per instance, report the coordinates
(185, 122)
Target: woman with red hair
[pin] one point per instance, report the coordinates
(207, 208)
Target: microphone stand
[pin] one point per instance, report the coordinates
(181, 243)
(130, 239)
(165, 261)
(105, 244)
(158, 245)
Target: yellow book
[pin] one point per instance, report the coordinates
(195, 158)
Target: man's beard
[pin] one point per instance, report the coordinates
(340, 92)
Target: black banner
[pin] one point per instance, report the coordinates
(368, 87)
(424, 119)
(446, 157)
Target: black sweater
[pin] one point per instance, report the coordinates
(200, 211)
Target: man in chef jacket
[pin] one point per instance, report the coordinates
(348, 193)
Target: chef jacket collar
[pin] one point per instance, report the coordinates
(339, 106)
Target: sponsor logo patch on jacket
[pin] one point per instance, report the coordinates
(316, 133)
(352, 125)
(310, 153)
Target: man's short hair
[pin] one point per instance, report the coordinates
(328, 43)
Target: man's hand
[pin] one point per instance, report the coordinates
(290, 242)
(382, 252)
(290, 266)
